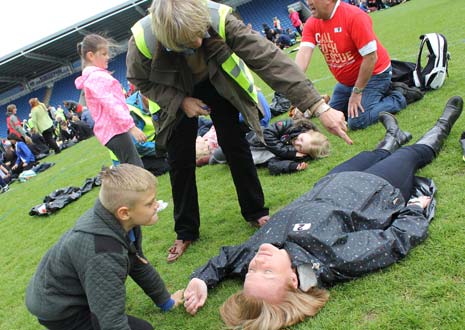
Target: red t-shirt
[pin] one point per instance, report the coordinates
(344, 39)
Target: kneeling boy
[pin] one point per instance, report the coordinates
(79, 283)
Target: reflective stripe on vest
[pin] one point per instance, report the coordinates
(142, 32)
(234, 66)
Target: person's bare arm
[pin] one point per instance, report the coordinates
(303, 57)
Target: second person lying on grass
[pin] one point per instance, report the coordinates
(290, 144)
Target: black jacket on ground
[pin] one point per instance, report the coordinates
(348, 225)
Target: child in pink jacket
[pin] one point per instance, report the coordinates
(105, 101)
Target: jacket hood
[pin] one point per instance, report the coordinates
(88, 70)
(100, 221)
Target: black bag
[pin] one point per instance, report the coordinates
(403, 72)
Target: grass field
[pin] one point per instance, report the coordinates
(424, 291)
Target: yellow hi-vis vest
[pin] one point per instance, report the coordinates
(234, 66)
(149, 129)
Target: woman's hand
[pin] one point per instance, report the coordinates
(195, 295)
(138, 134)
(193, 107)
(334, 121)
(422, 201)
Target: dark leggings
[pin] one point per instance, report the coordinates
(397, 168)
(124, 149)
(85, 320)
(181, 155)
(50, 140)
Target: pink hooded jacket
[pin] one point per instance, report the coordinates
(106, 103)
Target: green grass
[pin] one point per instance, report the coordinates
(424, 291)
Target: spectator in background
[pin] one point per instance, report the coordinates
(292, 35)
(269, 32)
(5, 178)
(81, 130)
(86, 117)
(25, 159)
(39, 142)
(13, 123)
(277, 25)
(284, 41)
(52, 112)
(295, 20)
(73, 107)
(363, 6)
(43, 123)
(60, 113)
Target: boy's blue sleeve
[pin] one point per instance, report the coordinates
(166, 306)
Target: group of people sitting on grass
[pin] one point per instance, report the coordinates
(364, 215)
(28, 142)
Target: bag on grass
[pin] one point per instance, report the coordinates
(432, 76)
(26, 175)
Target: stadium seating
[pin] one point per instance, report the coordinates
(258, 12)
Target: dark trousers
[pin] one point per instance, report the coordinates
(397, 168)
(124, 149)
(50, 140)
(181, 156)
(87, 321)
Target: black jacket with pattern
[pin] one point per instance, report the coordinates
(87, 269)
(348, 225)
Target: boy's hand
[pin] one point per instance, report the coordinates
(195, 295)
(178, 298)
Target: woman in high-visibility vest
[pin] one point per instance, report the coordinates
(191, 57)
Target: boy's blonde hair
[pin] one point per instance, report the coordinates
(122, 184)
(177, 23)
(319, 146)
(249, 313)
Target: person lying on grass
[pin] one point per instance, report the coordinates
(364, 215)
(79, 284)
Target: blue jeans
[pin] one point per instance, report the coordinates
(376, 98)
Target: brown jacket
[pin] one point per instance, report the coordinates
(167, 79)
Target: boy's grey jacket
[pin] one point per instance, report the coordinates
(348, 225)
(88, 268)
(167, 79)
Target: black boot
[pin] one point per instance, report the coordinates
(435, 137)
(411, 94)
(394, 137)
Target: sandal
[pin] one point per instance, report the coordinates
(260, 222)
(177, 249)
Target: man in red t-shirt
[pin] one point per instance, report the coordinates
(356, 58)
